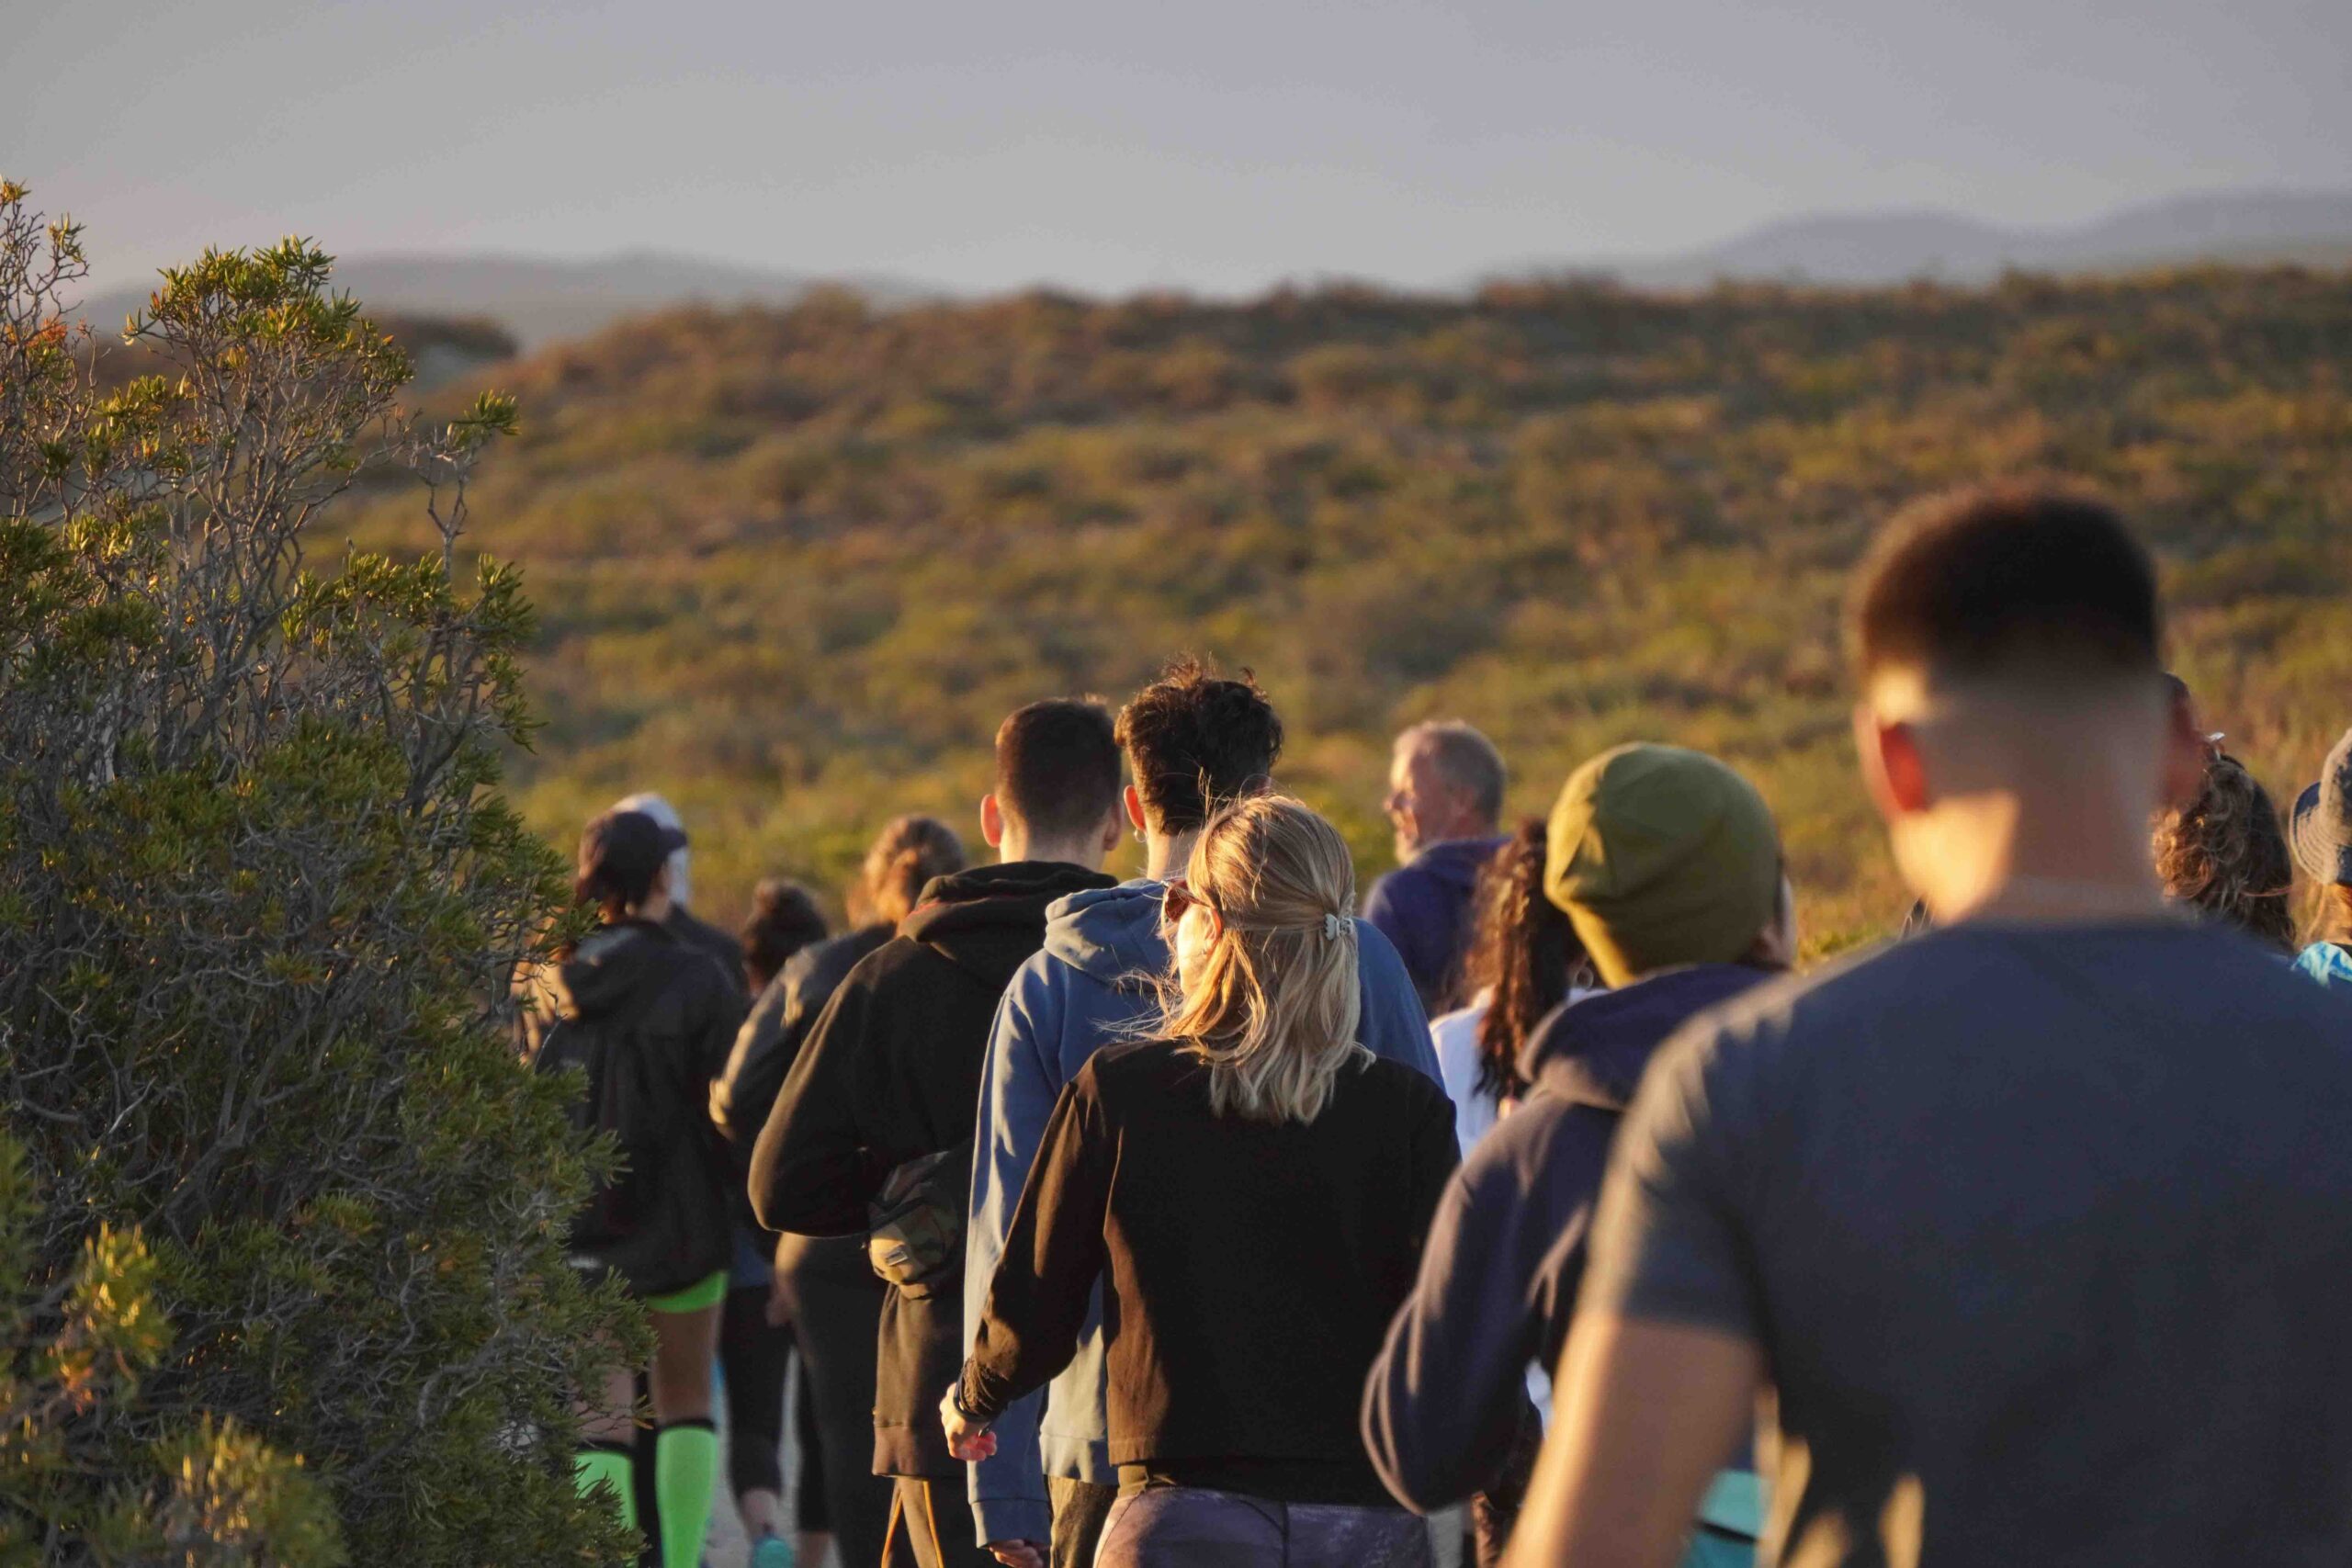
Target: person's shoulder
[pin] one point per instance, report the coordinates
(1376, 955)
(1128, 1062)
(1523, 1141)
(899, 955)
(1133, 1075)
(1408, 1086)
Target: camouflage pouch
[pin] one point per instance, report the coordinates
(915, 1224)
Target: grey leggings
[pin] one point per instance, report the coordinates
(1186, 1527)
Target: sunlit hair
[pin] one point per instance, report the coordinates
(1524, 956)
(906, 855)
(2223, 853)
(1273, 1007)
(2333, 920)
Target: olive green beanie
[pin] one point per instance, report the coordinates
(1662, 857)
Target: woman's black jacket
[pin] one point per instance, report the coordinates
(648, 1020)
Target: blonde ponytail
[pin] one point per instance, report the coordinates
(1274, 1007)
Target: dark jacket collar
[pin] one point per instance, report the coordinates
(1592, 1051)
(991, 918)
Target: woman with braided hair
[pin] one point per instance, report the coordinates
(1524, 960)
(1251, 1186)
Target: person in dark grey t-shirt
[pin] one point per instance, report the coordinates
(2036, 1232)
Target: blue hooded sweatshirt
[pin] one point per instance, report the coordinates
(1506, 1253)
(1090, 982)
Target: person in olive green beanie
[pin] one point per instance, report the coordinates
(1662, 858)
(1669, 865)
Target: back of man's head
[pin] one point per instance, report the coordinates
(1057, 768)
(2014, 728)
(1465, 760)
(2028, 589)
(1196, 739)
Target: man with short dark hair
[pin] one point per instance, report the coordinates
(891, 1071)
(1445, 799)
(1194, 741)
(2040, 1224)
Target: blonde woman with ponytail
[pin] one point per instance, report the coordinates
(1252, 1188)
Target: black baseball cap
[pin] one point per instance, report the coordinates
(629, 846)
(2321, 830)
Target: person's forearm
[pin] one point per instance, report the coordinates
(817, 1187)
(1646, 1411)
(1008, 1488)
(1438, 1424)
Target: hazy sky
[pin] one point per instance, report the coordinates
(1215, 144)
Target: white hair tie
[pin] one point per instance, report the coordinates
(1331, 927)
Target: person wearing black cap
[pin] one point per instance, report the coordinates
(646, 1020)
(2322, 837)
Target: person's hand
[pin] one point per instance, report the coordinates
(968, 1440)
(1019, 1553)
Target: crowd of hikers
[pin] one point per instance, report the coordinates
(1200, 1219)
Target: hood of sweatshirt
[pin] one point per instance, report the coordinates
(615, 963)
(988, 921)
(1592, 1051)
(1110, 934)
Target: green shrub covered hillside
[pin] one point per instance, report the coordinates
(794, 565)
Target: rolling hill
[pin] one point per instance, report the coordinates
(794, 564)
(1868, 248)
(542, 299)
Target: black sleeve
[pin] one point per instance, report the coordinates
(722, 1019)
(1444, 1396)
(813, 1171)
(1052, 1255)
(763, 1052)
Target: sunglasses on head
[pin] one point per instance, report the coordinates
(1174, 899)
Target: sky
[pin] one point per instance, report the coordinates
(1220, 146)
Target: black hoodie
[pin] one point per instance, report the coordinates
(648, 1020)
(892, 1073)
(1506, 1254)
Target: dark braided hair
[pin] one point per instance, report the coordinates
(1525, 954)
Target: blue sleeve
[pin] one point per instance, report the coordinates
(1019, 1084)
(1393, 1025)
(1447, 1393)
(1394, 911)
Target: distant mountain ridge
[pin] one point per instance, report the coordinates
(1873, 248)
(542, 299)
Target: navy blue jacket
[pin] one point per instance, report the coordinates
(1506, 1252)
(1423, 908)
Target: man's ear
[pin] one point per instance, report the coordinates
(1893, 769)
(991, 821)
(1134, 808)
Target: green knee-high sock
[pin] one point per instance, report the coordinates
(685, 1469)
(607, 1465)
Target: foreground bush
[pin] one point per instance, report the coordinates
(257, 899)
